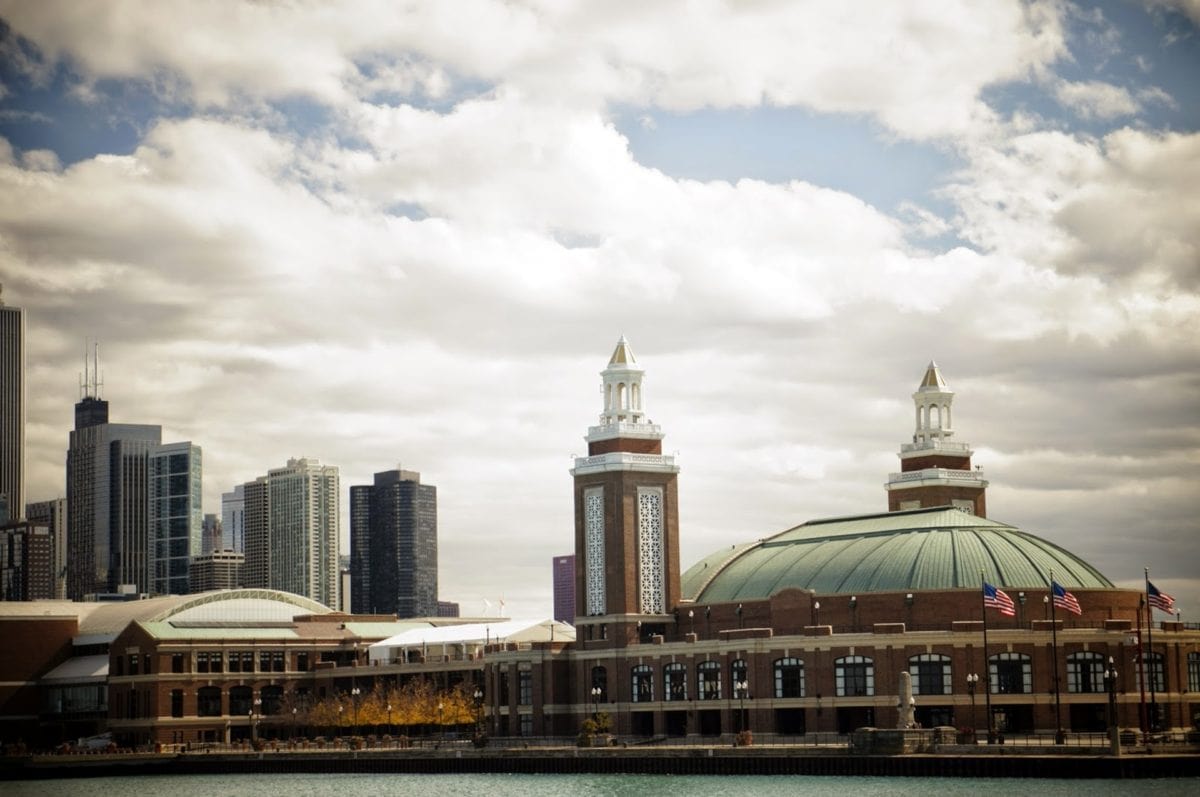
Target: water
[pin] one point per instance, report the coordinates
(304, 785)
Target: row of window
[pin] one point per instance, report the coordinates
(241, 701)
(214, 661)
(854, 676)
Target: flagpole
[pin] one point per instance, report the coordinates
(1141, 671)
(987, 668)
(1058, 728)
(1150, 645)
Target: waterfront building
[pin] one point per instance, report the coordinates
(807, 630)
(52, 515)
(393, 545)
(12, 411)
(564, 588)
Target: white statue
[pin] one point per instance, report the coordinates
(907, 705)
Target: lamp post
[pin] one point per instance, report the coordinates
(972, 683)
(691, 621)
(256, 705)
(854, 612)
(354, 693)
(440, 731)
(478, 711)
(1110, 682)
(595, 702)
(389, 715)
(739, 614)
(816, 618)
(742, 688)
(340, 709)
(293, 722)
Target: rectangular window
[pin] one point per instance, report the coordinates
(302, 662)
(202, 662)
(235, 662)
(525, 688)
(216, 661)
(176, 703)
(526, 725)
(264, 661)
(1085, 673)
(503, 688)
(1194, 672)
(146, 663)
(133, 664)
(176, 662)
(1011, 674)
(593, 532)
(277, 661)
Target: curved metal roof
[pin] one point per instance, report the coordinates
(937, 548)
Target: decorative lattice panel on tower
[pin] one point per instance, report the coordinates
(650, 551)
(593, 532)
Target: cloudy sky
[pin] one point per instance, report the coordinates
(384, 233)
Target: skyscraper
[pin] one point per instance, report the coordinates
(291, 527)
(107, 498)
(564, 588)
(52, 515)
(233, 519)
(175, 518)
(393, 545)
(12, 411)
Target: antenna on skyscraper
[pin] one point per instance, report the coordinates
(97, 381)
(83, 378)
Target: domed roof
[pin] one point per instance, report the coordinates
(934, 548)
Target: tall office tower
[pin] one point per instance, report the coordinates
(52, 515)
(564, 588)
(291, 525)
(393, 545)
(12, 411)
(210, 535)
(107, 498)
(233, 519)
(256, 526)
(175, 517)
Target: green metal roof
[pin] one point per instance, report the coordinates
(165, 630)
(939, 548)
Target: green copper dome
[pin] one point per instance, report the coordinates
(937, 548)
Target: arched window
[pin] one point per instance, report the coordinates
(789, 677)
(635, 391)
(1156, 676)
(708, 680)
(240, 698)
(642, 684)
(600, 681)
(930, 673)
(622, 397)
(1010, 674)
(854, 676)
(935, 416)
(1085, 672)
(208, 701)
(738, 673)
(272, 699)
(675, 681)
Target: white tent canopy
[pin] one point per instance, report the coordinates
(462, 642)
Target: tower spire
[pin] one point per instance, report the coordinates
(935, 470)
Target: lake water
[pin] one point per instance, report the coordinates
(304, 785)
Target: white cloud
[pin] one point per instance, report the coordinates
(1096, 99)
(918, 68)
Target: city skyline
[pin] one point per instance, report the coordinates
(419, 244)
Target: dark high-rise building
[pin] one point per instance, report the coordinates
(26, 562)
(12, 412)
(393, 546)
(564, 588)
(52, 515)
(108, 468)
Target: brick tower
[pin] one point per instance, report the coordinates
(626, 512)
(934, 469)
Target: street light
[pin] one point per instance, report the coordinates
(440, 731)
(742, 687)
(972, 683)
(478, 711)
(1110, 681)
(691, 621)
(255, 705)
(389, 713)
(354, 693)
(340, 709)
(293, 722)
(596, 690)
(816, 612)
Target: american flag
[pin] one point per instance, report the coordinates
(1064, 599)
(1159, 600)
(998, 600)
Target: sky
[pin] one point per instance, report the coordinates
(385, 234)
